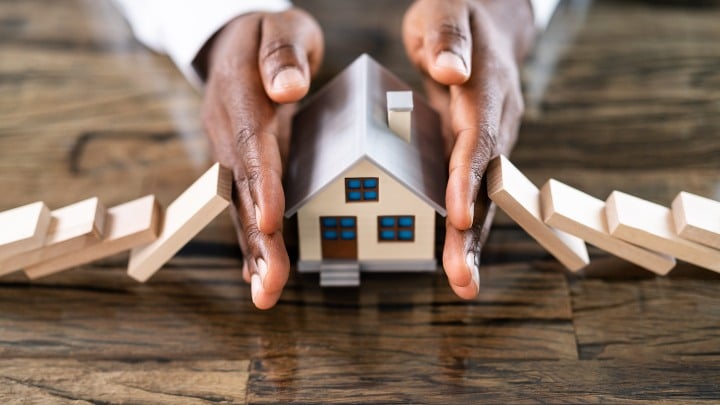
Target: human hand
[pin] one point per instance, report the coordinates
(256, 65)
(469, 51)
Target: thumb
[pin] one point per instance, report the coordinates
(291, 50)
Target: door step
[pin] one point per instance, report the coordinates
(339, 274)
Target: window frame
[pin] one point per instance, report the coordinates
(395, 228)
(362, 189)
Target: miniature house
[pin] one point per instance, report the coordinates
(366, 177)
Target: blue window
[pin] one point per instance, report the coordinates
(347, 222)
(362, 189)
(406, 235)
(347, 235)
(338, 229)
(370, 183)
(396, 228)
(387, 235)
(406, 222)
(370, 196)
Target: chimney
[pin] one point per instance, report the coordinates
(400, 106)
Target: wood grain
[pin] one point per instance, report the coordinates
(68, 381)
(630, 104)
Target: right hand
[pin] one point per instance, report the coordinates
(257, 65)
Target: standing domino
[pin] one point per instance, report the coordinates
(697, 219)
(184, 218)
(651, 226)
(520, 199)
(23, 228)
(127, 225)
(583, 215)
(72, 228)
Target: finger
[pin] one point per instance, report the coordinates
(476, 121)
(290, 52)
(461, 263)
(266, 257)
(242, 241)
(438, 39)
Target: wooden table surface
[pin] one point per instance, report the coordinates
(621, 95)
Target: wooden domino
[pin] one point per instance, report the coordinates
(23, 229)
(520, 199)
(582, 215)
(184, 218)
(651, 226)
(127, 225)
(71, 228)
(697, 219)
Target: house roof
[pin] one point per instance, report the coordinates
(346, 122)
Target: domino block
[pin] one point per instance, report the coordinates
(23, 229)
(520, 199)
(651, 226)
(72, 228)
(582, 215)
(697, 219)
(127, 225)
(184, 218)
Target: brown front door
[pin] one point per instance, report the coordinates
(339, 237)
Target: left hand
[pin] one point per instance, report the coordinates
(470, 51)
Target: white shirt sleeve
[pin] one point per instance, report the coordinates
(543, 11)
(181, 28)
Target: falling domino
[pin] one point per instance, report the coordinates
(72, 228)
(127, 225)
(184, 218)
(23, 229)
(697, 219)
(572, 211)
(651, 226)
(520, 199)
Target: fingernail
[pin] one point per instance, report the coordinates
(449, 60)
(255, 286)
(472, 265)
(257, 215)
(262, 268)
(288, 78)
(472, 213)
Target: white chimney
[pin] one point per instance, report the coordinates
(400, 106)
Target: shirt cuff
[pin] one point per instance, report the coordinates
(181, 28)
(543, 11)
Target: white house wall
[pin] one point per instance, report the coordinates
(394, 199)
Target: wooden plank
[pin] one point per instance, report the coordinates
(651, 226)
(397, 378)
(582, 215)
(648, 319)
(520, 199)
(185, 217)
(697, 219)
(193, 311)
(71, 381)
(72, 228)
(23, 228)
(127, 225)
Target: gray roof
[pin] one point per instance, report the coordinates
(346, 122)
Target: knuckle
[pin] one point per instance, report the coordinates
(245, 138)
(451, 33)
(279, 48)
